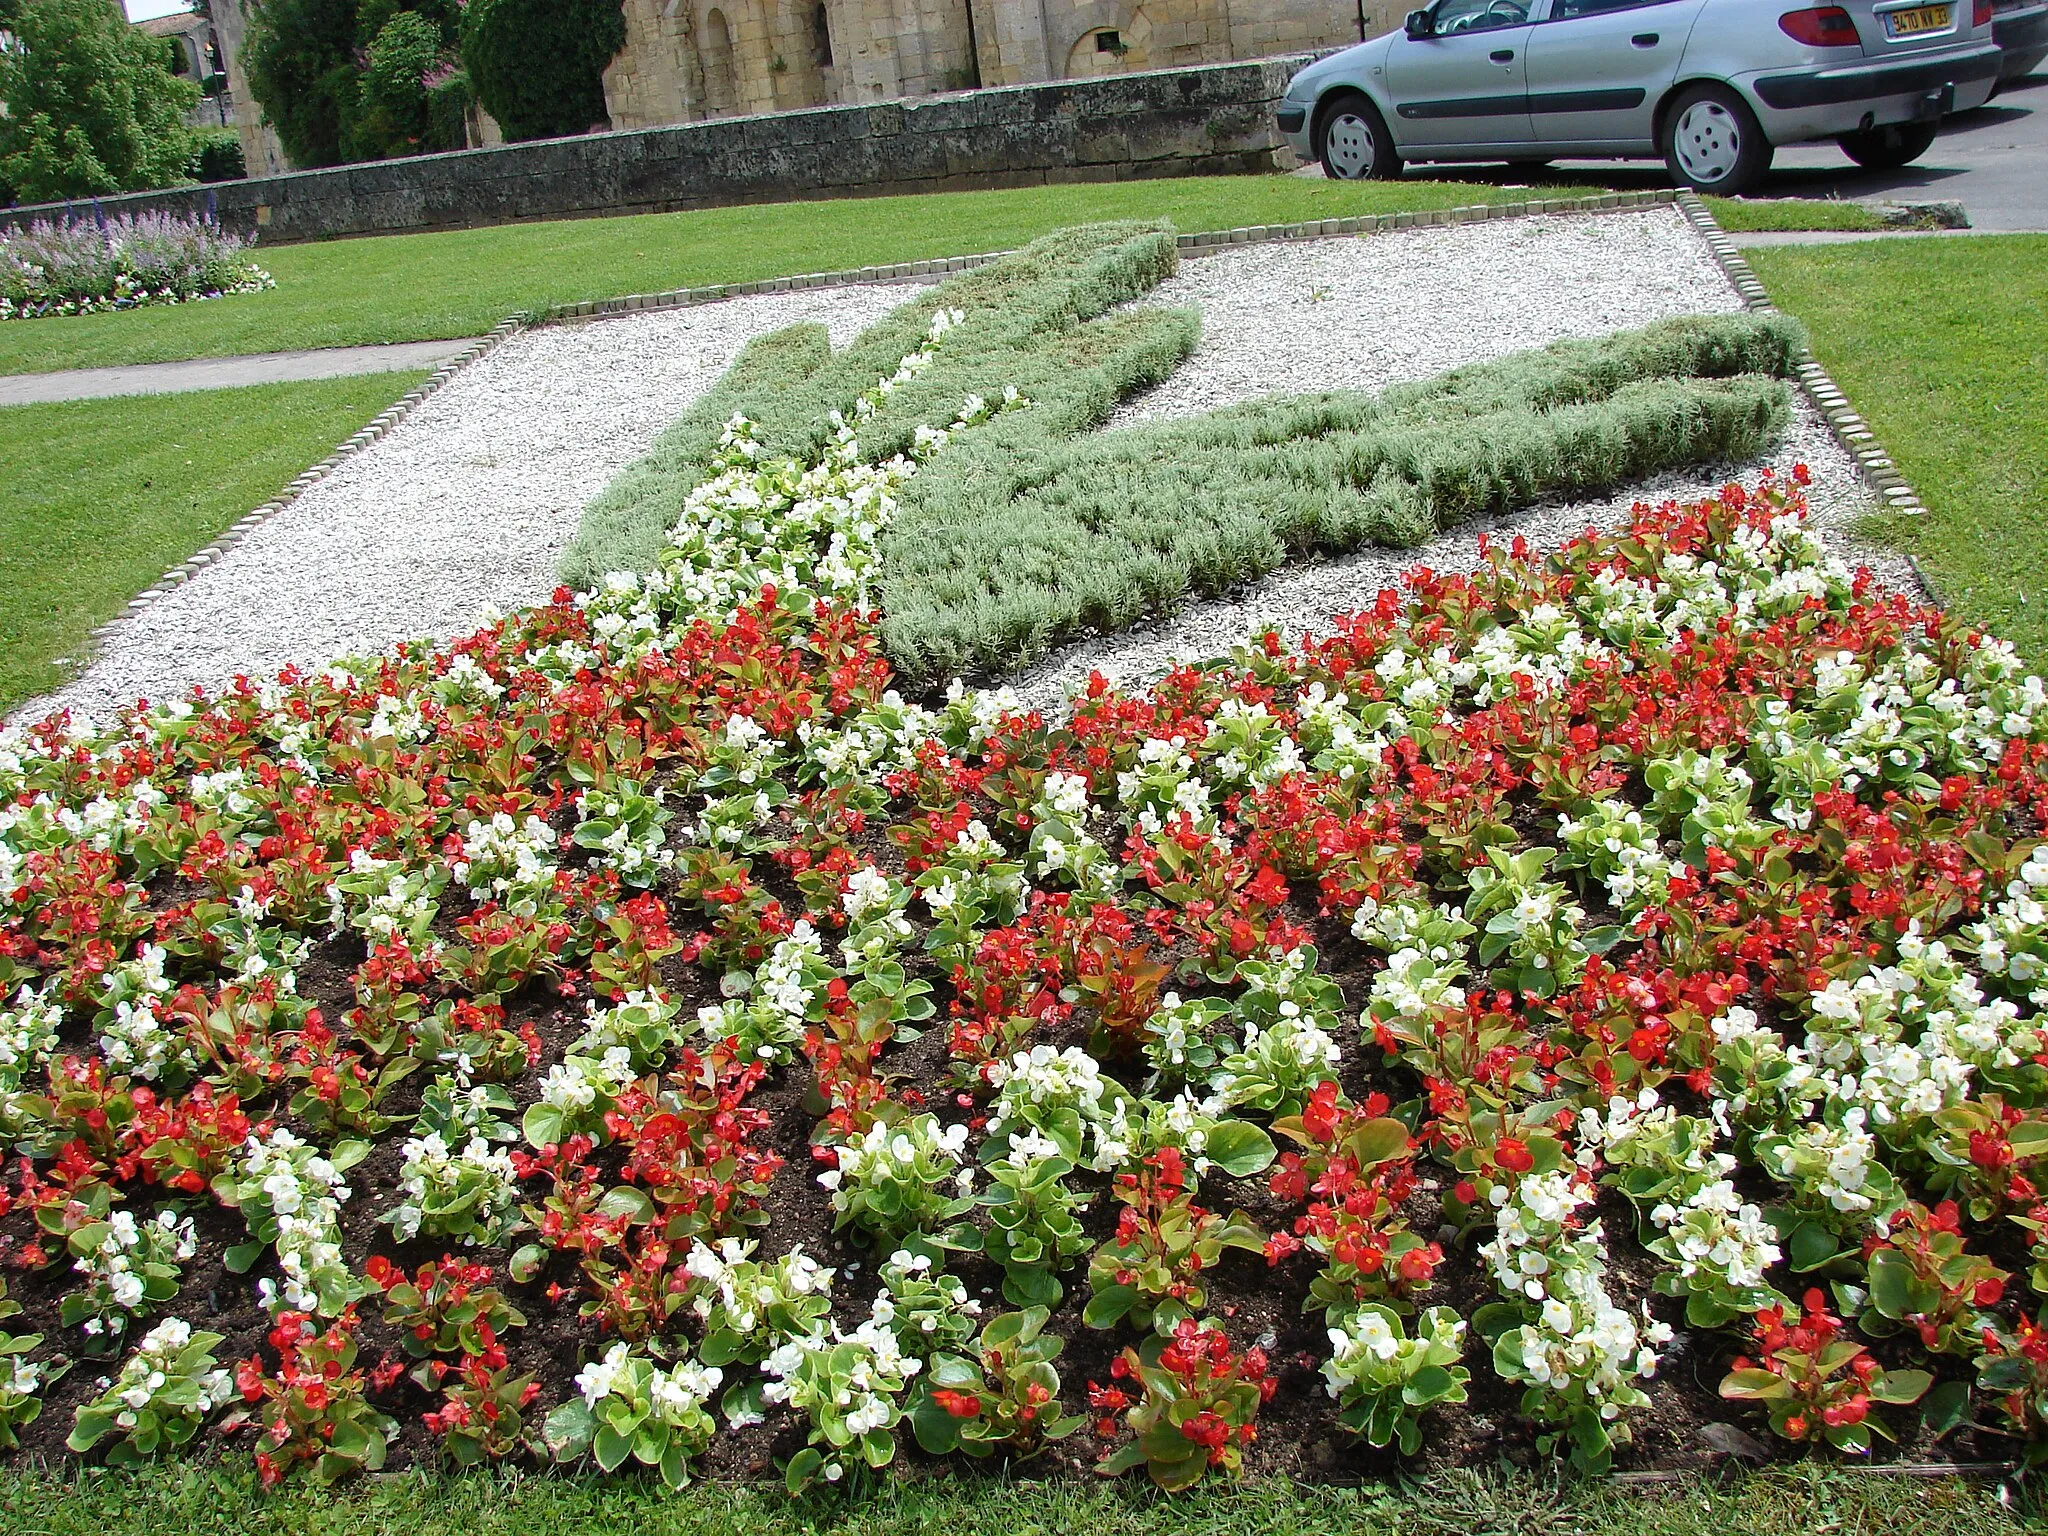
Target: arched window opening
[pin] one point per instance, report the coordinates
(721, 93)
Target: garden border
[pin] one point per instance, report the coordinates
(1850, 429)
(1879, 472)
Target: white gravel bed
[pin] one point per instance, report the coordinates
(1411, 304)
(465, 506)
(1392, 308)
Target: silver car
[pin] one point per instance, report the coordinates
(1710, 86)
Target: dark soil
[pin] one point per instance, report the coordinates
(1686, 1426)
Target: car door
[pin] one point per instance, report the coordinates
(1462, 86)
(1596, 69)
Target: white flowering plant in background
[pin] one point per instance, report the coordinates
(468, 1191)
(904, 1181)
(748, 1306)
(1384, 1378)
(161, 1398)
(630, 1407)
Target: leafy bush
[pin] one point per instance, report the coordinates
(632, 1408)
(92, 106)
(120, 263)
(163, 1396)
(314, 1410)
(539, 65)
(1384, 1380)
(218, 156)
(1198, 1406)
(348, 80)
(1020, 537)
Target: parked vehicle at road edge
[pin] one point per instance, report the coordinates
(1712, 87)
(2020, 28)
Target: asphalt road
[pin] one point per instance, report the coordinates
(1994, 161)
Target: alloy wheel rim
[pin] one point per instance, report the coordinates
(1349, 145)
(1708, 141)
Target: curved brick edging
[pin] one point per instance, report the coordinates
(378, 425)
(1201, 244)
(1850, 429)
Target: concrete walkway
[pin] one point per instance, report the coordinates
(223, 372)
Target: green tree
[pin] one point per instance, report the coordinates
(92, 105)
(538, 65)
(344, 80)
(299, 58)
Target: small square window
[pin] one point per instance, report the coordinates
(1109, 42)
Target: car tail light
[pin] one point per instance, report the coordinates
(1823, 26)
(1980, 14)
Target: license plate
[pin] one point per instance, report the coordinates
(1925, 18)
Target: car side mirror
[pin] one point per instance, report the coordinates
(1419, 25)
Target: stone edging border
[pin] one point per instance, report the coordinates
(1850, 429)
(378, 426)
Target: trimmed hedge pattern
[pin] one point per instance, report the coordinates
(1039, 528)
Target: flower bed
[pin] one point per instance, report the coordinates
(1565, 1005)
(124, 262)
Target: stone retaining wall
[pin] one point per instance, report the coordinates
(1209, 120)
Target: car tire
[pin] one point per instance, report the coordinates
(1713, 142)
(1353, 142)
(1888, 148)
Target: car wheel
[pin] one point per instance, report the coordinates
(1886, 149)
(1713, 142)
(1355, 143)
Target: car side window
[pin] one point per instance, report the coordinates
(1565, 10)
(1454, 16)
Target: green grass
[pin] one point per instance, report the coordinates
(1942, 345)
(188, 1500)
(461, 283)
(98, 498)
(1736, 213)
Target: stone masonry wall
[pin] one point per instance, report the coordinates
(687, 60)
(1210, 120)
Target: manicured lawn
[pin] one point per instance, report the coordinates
(461, 283)
(1943, 346)
(1736, 213)
(187, 1500)
(99, 497)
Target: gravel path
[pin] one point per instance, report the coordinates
(464, 506)
(1392, 308)
(1363, 314)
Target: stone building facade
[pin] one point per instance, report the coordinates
(687, 60)
(213, 42)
